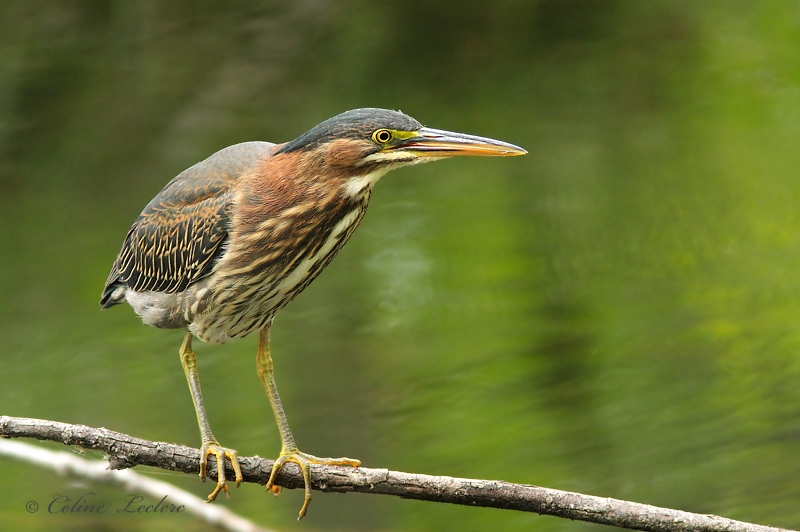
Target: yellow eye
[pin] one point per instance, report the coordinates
(382, 136)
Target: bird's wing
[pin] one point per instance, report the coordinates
(179, 235)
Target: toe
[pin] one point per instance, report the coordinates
(220, 453)
(304, 461)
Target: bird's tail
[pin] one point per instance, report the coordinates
(114, 292)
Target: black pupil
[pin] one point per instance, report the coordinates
(384, 136)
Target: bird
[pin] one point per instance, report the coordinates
(230, 241)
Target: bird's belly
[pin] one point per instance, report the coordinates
(241, 310)
(238, 305)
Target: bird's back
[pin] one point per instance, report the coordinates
(178, 237)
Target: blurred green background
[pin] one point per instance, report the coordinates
(615, 313)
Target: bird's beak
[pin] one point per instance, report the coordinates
(428, 142)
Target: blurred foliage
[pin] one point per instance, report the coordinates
(615, 313)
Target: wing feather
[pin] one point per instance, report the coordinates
(178, 237)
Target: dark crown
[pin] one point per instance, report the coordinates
(358, 123)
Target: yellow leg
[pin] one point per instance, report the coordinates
(210, 445)
(289, 450)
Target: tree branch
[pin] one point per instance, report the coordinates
(126, 451)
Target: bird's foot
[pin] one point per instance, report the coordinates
(304, 461)
(220, 453)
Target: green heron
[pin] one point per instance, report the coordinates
(230, 241)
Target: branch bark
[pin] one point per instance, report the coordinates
(127, 451)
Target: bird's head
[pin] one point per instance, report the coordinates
(366, 143)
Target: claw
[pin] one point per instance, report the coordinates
(304, 461)
(220, 453)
